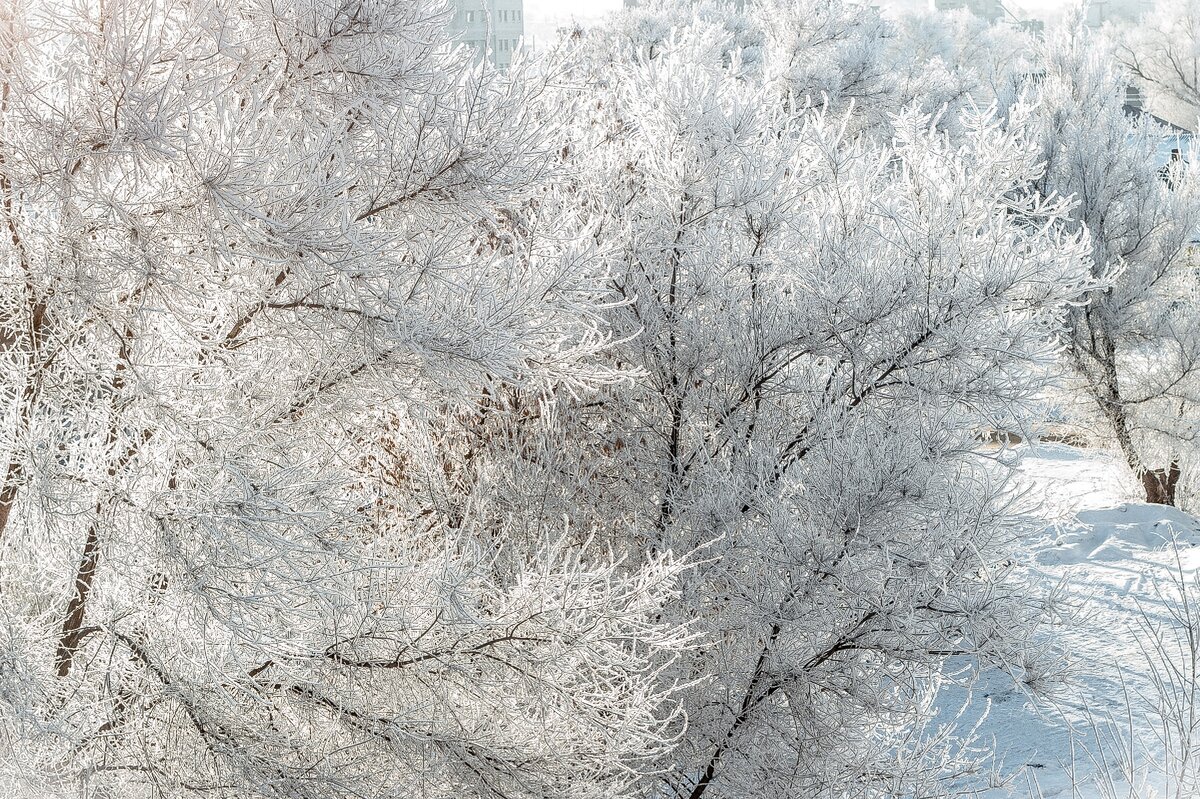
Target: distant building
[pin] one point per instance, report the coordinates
(493, 28)
(991, 10)
(1134, 102)
(1174, 141)
(1034, 27)
(1099, 12)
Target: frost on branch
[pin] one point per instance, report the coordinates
(379, 425)
(1134, 346)
(824, 322)
(233, 232)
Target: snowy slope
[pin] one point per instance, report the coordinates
(1086, 531)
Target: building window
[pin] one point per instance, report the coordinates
(470, 16)
(504, 16)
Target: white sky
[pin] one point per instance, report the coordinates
(569, 8)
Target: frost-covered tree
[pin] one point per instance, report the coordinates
(253, 251)
(1161, 51)
(1135, 344)
(841, 55)
(822, 323)
(946, 63)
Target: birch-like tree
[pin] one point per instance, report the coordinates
(253, 252)
(1161, 52)
(1135, 345)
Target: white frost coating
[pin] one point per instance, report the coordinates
(240, 240)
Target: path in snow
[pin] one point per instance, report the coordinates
(1084, 527)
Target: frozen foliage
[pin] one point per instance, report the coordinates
(823, 322)
(379, 425)
(233, 232)
(1135, 344)
(839, 55)
(1162, 52)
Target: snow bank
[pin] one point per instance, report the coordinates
(1119, 533)
(1084, 530)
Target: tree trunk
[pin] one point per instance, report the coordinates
(69, 639)
(1160, 484)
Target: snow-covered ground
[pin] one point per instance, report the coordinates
(1113, 556)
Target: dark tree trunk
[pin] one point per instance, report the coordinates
(1160, 484)
(71, 636)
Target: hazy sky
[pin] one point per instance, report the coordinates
(543, 17)
(563, 9)
(566, 8)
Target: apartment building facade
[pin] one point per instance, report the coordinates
(492, 28)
